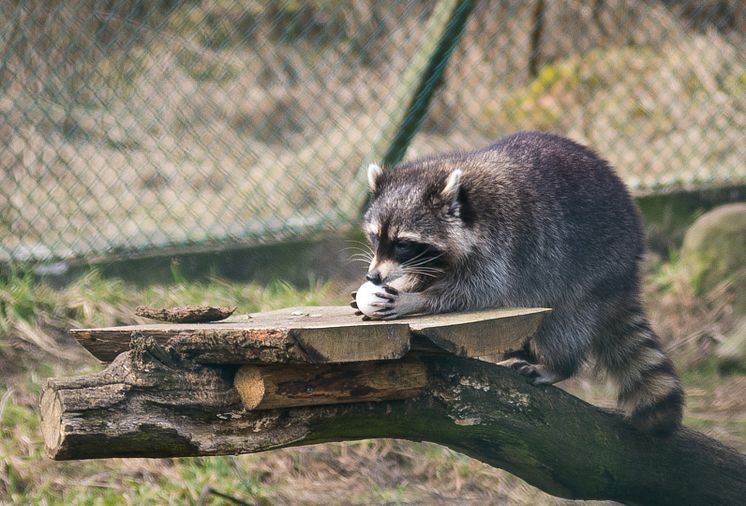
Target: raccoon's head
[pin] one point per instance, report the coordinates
(418, 225)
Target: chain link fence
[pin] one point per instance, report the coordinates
(138, 127)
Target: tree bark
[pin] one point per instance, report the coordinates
(149, 403)
(186, 314)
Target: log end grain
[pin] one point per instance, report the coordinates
(51, 417)
(250, 386)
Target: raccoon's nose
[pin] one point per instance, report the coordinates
(374, 277)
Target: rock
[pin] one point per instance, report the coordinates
(731, 353)
(714, 249)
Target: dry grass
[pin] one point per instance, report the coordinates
(219, 121)
(691, 326)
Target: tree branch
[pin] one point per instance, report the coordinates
(150, 403)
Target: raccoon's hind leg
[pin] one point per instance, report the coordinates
(555, 352)
(649, 388)
(524, 362)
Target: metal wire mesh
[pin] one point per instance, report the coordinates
(134, 127)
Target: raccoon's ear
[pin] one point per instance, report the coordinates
(374, 176)
(451, 192)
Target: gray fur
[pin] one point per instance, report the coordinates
(531, 220)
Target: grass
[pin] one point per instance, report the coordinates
(35, 346)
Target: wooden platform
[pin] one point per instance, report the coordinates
(326, 334)
(223, 383)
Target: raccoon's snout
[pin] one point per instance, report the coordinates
(386, 273)
(374, 277)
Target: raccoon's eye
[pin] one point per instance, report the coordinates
(405, 248)
(412, 251)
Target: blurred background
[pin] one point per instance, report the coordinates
(213, 151)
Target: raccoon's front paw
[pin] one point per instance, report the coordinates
(397, 304)
(537, 373)
(353, 304)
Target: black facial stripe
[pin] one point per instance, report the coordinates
(383, 236)
(412, 251)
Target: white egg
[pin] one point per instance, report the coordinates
(366, 295)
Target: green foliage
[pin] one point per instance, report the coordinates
(540, 103)
(95, 300)
(22, 300)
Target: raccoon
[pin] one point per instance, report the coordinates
(531, 220)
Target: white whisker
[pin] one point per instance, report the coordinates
(425, 268)
(359, 260)
(430, 272)
(413, 259)
(355, 248)
(420, 262)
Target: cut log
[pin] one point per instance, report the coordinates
(323, 335)
(148, 404)
(282, 386)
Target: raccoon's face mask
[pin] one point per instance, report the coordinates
(413, 227)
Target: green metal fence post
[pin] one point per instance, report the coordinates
(420, 101)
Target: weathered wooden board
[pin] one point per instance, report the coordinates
(479, 333)
(325, 334)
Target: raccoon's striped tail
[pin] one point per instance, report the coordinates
(650, 391)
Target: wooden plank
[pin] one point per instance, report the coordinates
(316, 334)
(325, 334)
(480, 333)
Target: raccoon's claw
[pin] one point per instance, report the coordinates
(353, 304)
(390, 293)
(384, 296)
(386, 314)
(388, 309)
(365, 317)
(537, 373)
